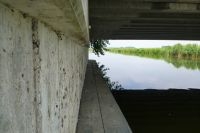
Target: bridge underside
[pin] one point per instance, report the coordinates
(145, 19)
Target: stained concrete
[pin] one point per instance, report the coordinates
(41, 76)
(69, 17)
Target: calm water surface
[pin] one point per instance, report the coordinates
(134, 72)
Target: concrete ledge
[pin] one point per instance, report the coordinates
(66, 17)
(99, 112)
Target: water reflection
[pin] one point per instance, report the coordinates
(135, 72)
(186, 63)
(112, 85)
(189, 64)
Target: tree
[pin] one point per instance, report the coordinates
(99, 46)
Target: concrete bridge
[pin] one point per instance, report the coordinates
(44, 52)
(145, 19)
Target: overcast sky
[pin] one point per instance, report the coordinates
(146, 43)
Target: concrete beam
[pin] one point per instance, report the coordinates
(153, 36)
(166, 6)
(99, 2)
(122, 19)
(68, 17)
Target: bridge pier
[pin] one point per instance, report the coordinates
(42, 69)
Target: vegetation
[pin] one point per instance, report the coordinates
(99, 46)
(189, 64)
(112, 85)
(187, 56)
(189, 51)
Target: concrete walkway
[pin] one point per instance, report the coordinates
(99, 112)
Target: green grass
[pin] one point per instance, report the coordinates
(178, 55)
(177, 51)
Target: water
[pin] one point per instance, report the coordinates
(134, 72)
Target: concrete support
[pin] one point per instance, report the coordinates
(69, 17)
(41, 76)
(166, 19)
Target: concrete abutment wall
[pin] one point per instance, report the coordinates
(41, 76)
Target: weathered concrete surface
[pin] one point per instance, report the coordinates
(99, 112)
(41, 76)
(17, 111)
(66, 16)
(145, 19)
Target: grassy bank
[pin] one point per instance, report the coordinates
(187, 56)
(190, 51)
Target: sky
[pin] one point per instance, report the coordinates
(147, 43)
